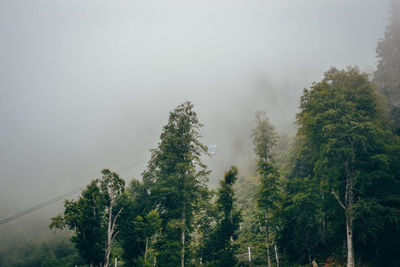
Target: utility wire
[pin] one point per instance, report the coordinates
(130, 165)
(56, 199)
(39, 206)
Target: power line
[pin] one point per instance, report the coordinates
(39, 206)
(56, 199)
(130, 165)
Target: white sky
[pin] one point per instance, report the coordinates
(86, 85)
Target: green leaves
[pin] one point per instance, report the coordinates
(87, 216)
(218, 246)
(264, 136)
(175, 179)
(345, 146)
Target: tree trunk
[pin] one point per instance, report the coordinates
(348, 211)
(110, 230)
(145, 250)
(276, 256)
(267, 239)
(347, 207)
(349, 223)
(350, 249)
(109, 233)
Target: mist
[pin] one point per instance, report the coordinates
(87, 85)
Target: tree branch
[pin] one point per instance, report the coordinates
(338, 199)
(115, 219)
(115, 235)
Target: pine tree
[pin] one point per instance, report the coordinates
(264, 138)
(175, 178)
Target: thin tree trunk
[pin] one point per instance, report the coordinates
(350, 249)
(110, 232)
(108, 249)
(267, 240)
(145, 250)
(349, 205)
(349, 222)
(276, 256)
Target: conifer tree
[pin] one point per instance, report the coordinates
(264, 138)
(175, 179)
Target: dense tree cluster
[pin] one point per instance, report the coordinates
(329, 196)
(335, 198)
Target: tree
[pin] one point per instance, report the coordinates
(112, 187)
(264, 138)
(85, 217)
(346, 131)
(175, 178)
(386, 77)
(92, 218)
(219, 248)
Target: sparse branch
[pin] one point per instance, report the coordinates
(338, 199)
(115, 219)
(114, 236)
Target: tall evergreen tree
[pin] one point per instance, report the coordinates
(175, 178)
(264, 138)
(386, 77)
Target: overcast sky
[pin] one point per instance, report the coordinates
(86, 85)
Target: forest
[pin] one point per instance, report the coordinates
(328, 196)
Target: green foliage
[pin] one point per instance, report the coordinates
(131, 239)
(302, 207)
(149, 225)
(344, 138)
(219, 246)
(268, 194)
(299, 234)
(264, 136)
(49, 250)
(175, 179)
(251, 232)
(87, 216)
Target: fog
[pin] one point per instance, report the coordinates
(87, 85)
